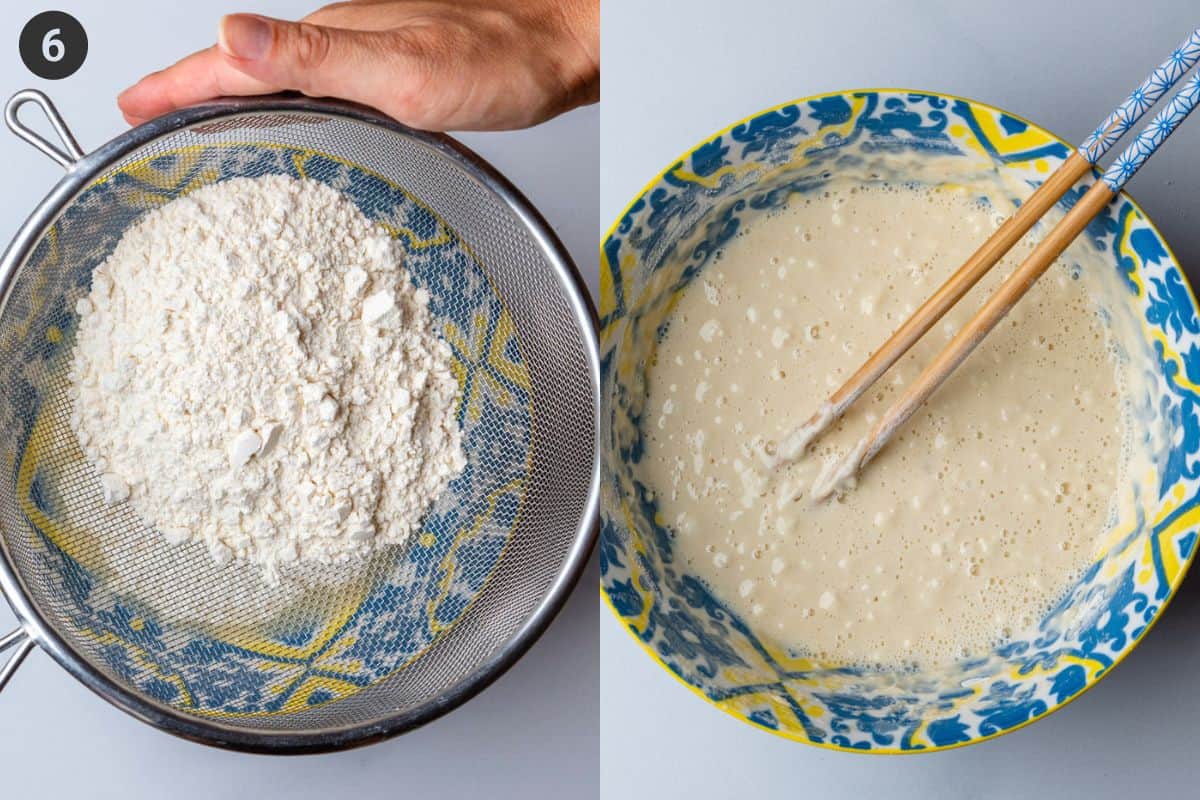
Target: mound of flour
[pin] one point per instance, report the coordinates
(254, 370)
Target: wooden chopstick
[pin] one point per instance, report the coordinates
(792, 447)
(1014, 287)
(933, 309)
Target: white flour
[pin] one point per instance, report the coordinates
(254, 370)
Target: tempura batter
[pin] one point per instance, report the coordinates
(972, 521)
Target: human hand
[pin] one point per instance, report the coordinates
(431, 64)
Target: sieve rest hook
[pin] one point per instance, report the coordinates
(23, 644)
(65, 158)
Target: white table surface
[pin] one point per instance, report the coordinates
(675, 73)
(533, 734)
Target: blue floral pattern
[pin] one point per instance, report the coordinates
(668, 236)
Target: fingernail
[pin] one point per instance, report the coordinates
(124, 96)
(244, 36)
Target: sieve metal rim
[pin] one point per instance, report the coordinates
(80, 171)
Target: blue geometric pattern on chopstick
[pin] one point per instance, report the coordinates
(1126, 115)
(1153, 135)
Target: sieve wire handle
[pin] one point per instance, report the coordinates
(66, 158)
(19, 640)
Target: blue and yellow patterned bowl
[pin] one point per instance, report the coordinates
(703, 199)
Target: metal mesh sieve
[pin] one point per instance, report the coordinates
(335, 656)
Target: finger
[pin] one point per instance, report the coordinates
(319, 61)
(200, 76)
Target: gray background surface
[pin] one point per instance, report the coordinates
(533, 734)
(676, 73)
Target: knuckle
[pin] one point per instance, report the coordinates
(310, 45)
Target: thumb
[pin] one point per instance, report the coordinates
(315, 60)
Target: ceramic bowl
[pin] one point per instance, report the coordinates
(668, 235)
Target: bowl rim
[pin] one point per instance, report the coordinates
(1091, 681)
(213, 732)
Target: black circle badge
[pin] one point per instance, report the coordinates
(53, 45)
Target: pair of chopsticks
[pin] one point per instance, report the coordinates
(1016, 285)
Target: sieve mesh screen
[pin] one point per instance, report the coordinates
(335, 647)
